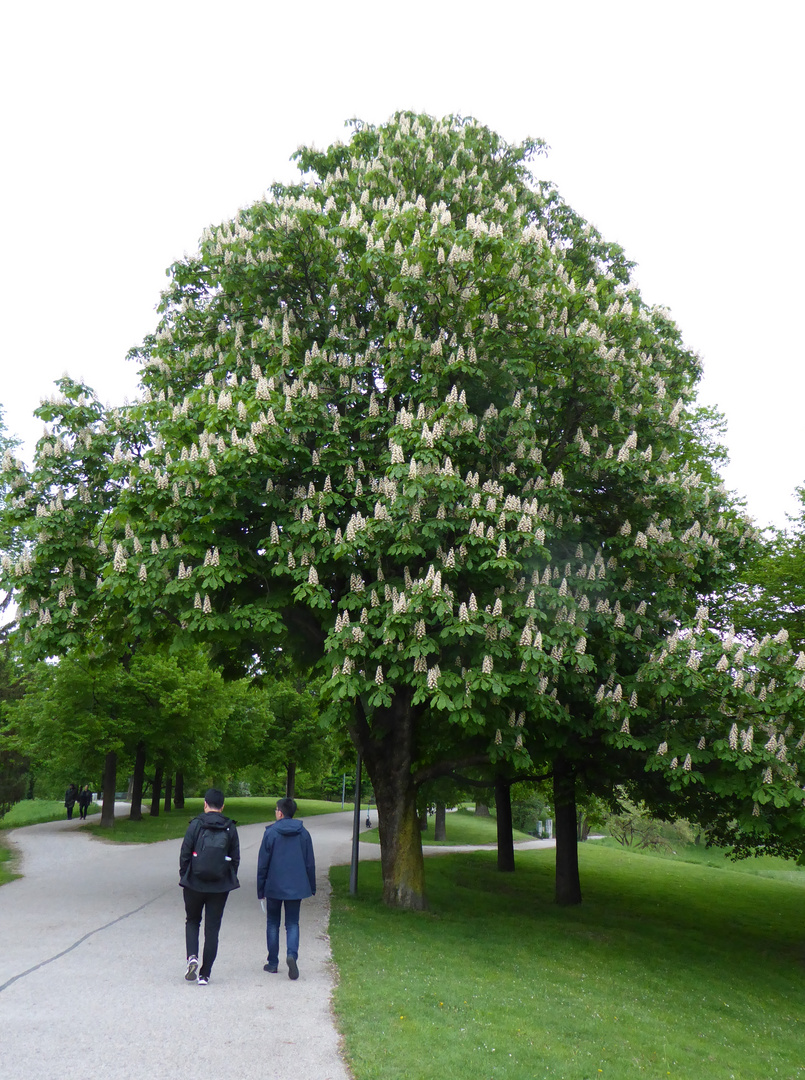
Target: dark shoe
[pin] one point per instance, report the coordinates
(293, 970)
(192, 968)
(202, 980)
(270, 968)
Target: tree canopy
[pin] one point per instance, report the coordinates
(412, 417)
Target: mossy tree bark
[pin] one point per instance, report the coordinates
(387, 751)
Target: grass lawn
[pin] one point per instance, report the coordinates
(245, 811)
(36, 811)
(170, 826)
(6, 864)
(461, 826)
(668, 969)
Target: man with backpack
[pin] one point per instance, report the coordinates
(286, 874)
(208, 872)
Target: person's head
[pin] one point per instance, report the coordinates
(213, 799)
(286, 807)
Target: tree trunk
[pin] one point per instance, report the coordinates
(178, 790)
(108, 790)
(136, 810)
(422, 818)
(387, 751)
(440, 822)
(481, 810)
(582, 826)
(168, 792)
(157, 791)
(568, 885)
(290, 780)
(503, 808)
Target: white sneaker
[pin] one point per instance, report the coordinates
(192, 968)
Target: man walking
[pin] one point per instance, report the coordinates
(208, 872)
(286, 874)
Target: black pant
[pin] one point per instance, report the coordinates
(212, 904)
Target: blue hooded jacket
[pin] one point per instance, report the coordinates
(286, 869)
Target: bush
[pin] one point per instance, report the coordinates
(527, 812)
(633, 826)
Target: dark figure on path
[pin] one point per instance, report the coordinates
(84, 800)
(208, 872)
(286, 874)
(70, 797)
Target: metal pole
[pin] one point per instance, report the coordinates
(356, 828)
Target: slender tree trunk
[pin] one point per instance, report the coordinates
(422, 818)
(178, 790)
(440, 822)
(136, 810)
(481, 810)
(568, 885)
(108, 790)
(155, 794)
(503, 808)
(387, 751)
(290, 780)
(168, 792)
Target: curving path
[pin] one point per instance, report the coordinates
(92, 965)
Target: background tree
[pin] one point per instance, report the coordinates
(15, 777)
(770, 593)
(81, 711)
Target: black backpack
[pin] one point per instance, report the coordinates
(210, 854)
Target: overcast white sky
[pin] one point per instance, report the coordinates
(675, 127)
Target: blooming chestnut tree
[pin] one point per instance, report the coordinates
(728, 733)
(412, 417)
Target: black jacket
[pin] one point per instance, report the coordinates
(210, 820)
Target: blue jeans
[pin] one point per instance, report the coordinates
(273, 911)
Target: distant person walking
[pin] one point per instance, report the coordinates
(84, 801)
(286, 874)
(208, 872)
(70, 798)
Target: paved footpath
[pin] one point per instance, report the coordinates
(92, 966)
